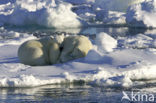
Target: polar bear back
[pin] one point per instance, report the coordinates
(54, 53)
(46, 42)
(75, 47)
(44, 51)
(51, 49)
(31, 53)
(84, 44)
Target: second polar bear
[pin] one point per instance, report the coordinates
(74, 47)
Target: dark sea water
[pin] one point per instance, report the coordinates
(76, 93)
(68, 93)
(59, 94)
(114, 31)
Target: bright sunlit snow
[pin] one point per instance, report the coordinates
(117, 61)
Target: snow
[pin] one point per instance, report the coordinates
(111, 17)
(105, 42)
(74, 14)
(116, 60)
(121, 63)
(115, 5)
(134, 69)
(140, 41)
(42, 13)
(142, 14)
(18, 38)
(107, 4)
(80, 1)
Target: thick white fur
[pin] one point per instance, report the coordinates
(47, 50)
(39, 52)
(75, 47)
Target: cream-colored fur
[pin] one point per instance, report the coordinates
(48, 51)
(39, 52)
(75, 47)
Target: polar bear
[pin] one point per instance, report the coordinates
(39, 52)
(74, 47)
(53, 50)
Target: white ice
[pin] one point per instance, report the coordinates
(39, 12)
(142, 14)
(125, 66)
(77, 13)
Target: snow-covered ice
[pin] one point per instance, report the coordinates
(125, 64)
(142, 14)
(42, 13)
(115, 5)
(117, 61)
(73, 13)
(105, 42)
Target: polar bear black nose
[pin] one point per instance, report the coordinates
(61, 48)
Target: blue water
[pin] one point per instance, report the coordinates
(59, 94)
(114, 31)
(65, 93)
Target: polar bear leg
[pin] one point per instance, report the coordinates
(31, 53)
(51, 49)
(54, 53)
(77, 53)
